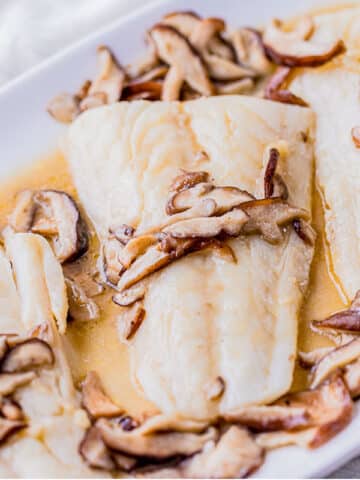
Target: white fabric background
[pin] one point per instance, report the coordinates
(31, 30)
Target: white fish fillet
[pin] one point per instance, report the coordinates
(204, 317)
(333, 92)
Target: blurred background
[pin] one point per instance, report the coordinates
(32, 30)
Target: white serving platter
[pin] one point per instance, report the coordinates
(27, 132)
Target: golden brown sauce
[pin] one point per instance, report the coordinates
(95, 345)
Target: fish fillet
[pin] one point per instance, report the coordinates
(205, 317)
(333, 92)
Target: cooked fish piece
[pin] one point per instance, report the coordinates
(9, 300)
(49, 447)
(206, 318)
(333, 92)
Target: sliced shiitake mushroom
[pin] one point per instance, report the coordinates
(94, 451)
(329, 406)
(123, 233)
(304, 231)
(9, 382)
(268, 215)
(187, 23)
(235, 455)
(110, 78)
(175, 50)
(270, 418)
(95, 100)
(110, 263)
(158, 72)
(230, 223)
(9, 427)
(22, 216)
(236, 87)
(204, 31)
(27, 355)
(187, 180)
(64, 107)
(292, 49)
(215, 389)
(355, 135)
(149, 90)
(270, 170)
(81, 307)
(58, 218)
(135, 247)
(309, 359)
(351, 375)
(348, 320)
(335, 359)
(95, 400)
(170, 422)
(11, 410)
(276, 89)
(250, 50)
(157, 446)
(130, 296)
(225, 198)
(130, 321)
(223, 69)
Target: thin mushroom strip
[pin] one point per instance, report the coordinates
(347, 320)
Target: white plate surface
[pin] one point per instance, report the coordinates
(27, 131)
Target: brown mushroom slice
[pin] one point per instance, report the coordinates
(236, 87)
(27, 355)
(276, 90)
(222, 69)
(230, 223)
(270, 171)
(9, 382)
(309, 359)
(130, 321)
(337, 358)
(110, 77)
(151, 88)
(355, 135)
(171, 89)
(64, 107)
(153, 260)
(329, 406)
(81, 307)
(272, 440)
(83, 90)
(348, 320)
(3, 346)
(158, 72)
(351, 375)
(236, 455)
(268, 215)
(9, 427)
(250, 51)
(225, 198)
(22, 216)
(95, 400)
(205, 30)
(145, 63)
(123, 233)
(187, 180)
(215, 389)
(168, 422)
(291, 49)
(57, 209)
(11, 410)
(95, 100)
(94, 451)
(263, 418)
(205, 207)
(130, 296)
(112, 266)
(304, 231)
(136, 247)
(188, 22)
(124, 462)
(175, 50)
(158, 446)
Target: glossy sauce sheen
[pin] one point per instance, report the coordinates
(94, 345)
